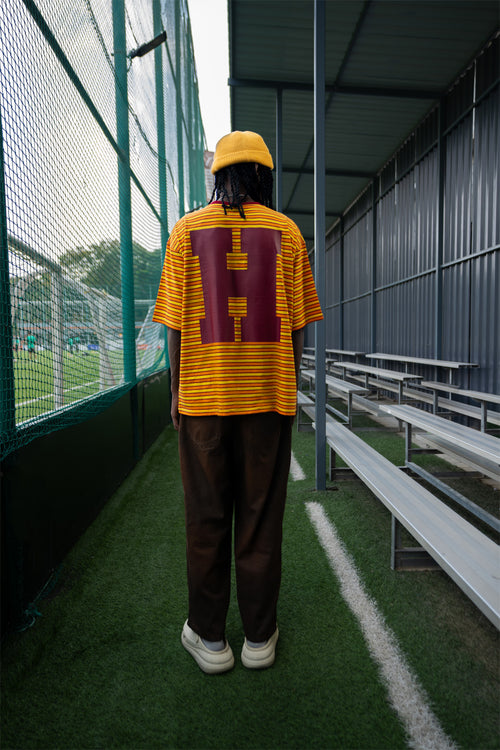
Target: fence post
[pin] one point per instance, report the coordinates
(373, 337)
(438, 284)
(178, 107)
(188, 82)
(7, 400)
(162, 154)
(125, 203)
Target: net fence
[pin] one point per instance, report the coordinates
(101, 148)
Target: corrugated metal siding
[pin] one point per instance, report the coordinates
(485, 323)
(332, 322)
(388, 258)
(458, 182)
(426, 206)
(456, 312)
(357, 315)
(400, 329)
(485, 194)
(407, 239)
(358, 258)
(332, 268)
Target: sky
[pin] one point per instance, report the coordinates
(210, 40)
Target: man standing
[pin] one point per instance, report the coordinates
(236, 294)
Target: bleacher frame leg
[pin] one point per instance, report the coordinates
(408, 558)
(333, 461)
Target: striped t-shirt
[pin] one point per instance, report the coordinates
(236, 289)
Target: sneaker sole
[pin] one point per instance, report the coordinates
(260, 658)
(210, 662)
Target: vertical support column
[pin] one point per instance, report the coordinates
(12, 553)
(160, 133)
(341, 285)
(189, 82)
(373, 327)
(125, 202)
(319, 235)
(7, 398)
(438, 287)
(178, 107)
(279, 149)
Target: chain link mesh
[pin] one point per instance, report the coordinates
(62, 326)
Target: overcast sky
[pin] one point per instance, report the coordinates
(210, 39)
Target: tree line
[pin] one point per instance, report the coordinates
(98, 266)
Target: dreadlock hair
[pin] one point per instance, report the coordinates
(246, 180)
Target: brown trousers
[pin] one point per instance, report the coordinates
(239, 466)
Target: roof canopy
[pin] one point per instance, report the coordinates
(387, 65)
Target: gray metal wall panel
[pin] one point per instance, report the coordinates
(332, 323)
(405, 285)
(426, 208)
(387, 252)
(457, 191)
(456, 312)
(485, 322)
(405, 239)
(399, 328)
(358, 258)
(332, 266)
(357, 316)
(485, 194)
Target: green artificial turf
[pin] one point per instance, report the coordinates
(104, 668)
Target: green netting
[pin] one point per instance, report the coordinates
(101, 151)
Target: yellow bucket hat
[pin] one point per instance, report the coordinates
(241, 146)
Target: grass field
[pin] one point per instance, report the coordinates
(82, 376)
(104, 667)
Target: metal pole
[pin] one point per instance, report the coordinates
(341, 285)
(438, 336)
(373, 340)
(160, 127)
(125, 200)
(190, 123)
(162, 154)
(178, 107)
(279, 149)
(7, 398)
(125, 203)
(319, 235)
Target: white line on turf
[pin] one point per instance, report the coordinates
(296, 469)
(51, 395)
(406, 695)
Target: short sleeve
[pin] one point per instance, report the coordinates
(306, 307)
(168, 307)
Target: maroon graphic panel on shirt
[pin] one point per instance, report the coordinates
(256, 282)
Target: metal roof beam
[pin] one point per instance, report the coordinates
(336, 88)
(329, 172)
(305, 212)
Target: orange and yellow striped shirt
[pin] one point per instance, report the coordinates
(236, 289)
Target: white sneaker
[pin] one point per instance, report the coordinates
(262, 656)
(211, 662)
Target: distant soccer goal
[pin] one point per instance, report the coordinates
(68, 337)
